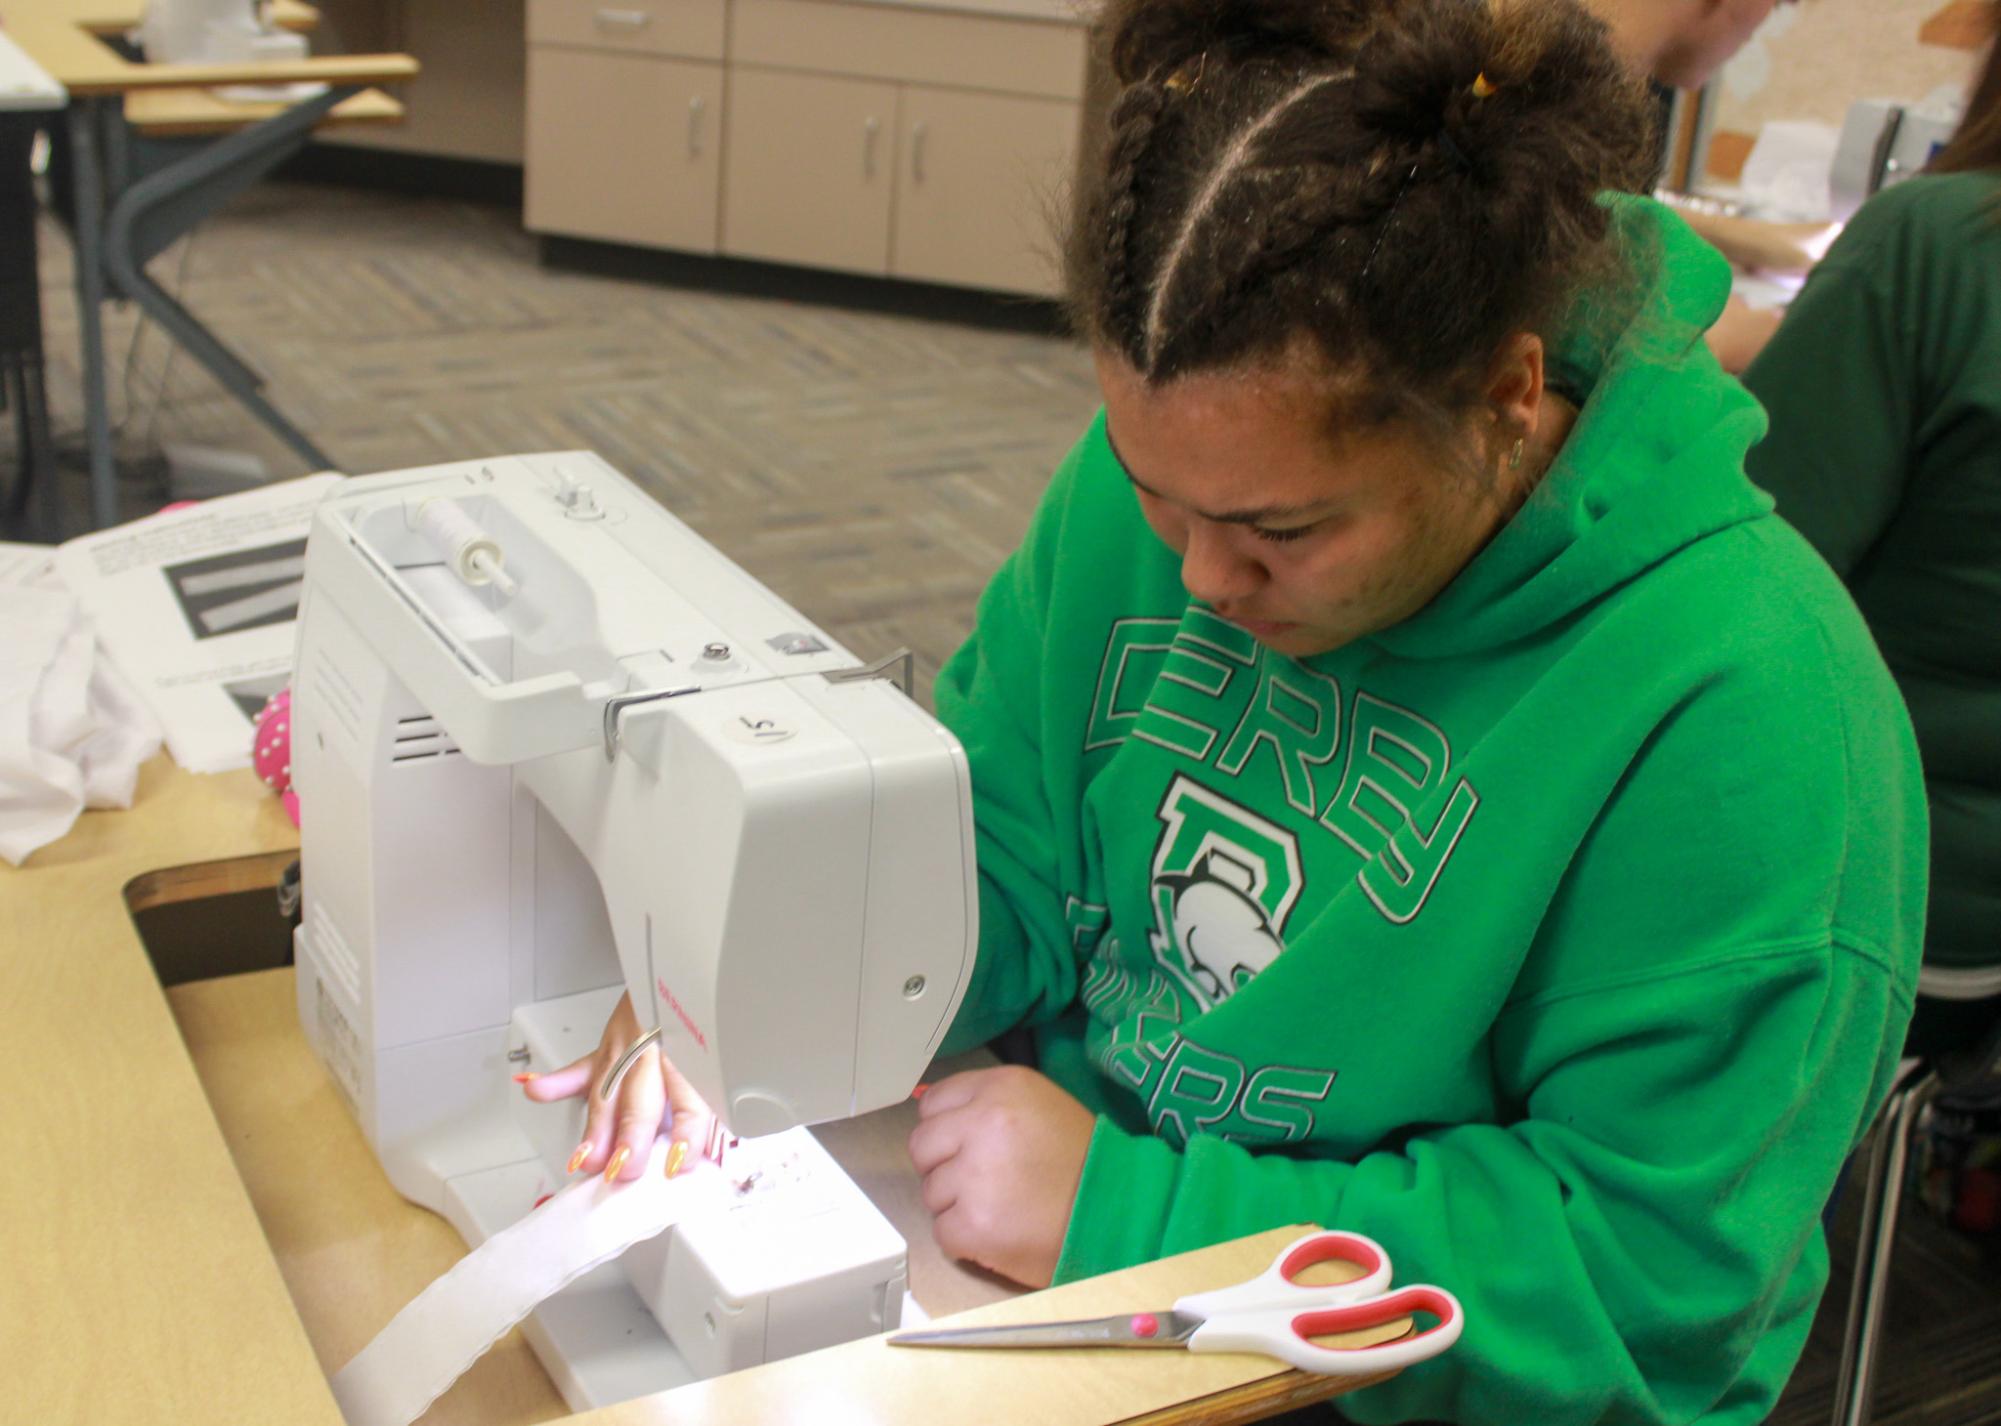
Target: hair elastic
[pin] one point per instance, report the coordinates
(1181, 81)
(1454, 152)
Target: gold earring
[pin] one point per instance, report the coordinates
(1515, 455)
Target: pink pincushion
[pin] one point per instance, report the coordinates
(271, 750)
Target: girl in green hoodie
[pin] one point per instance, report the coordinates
(1420, 787)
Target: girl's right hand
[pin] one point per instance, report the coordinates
(653, 1099)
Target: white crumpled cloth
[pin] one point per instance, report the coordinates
(72, 730)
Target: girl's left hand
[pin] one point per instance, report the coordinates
(1001, 1152)
(653, 1097)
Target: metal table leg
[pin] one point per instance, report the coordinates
(163, 206)
(86, 117)
(38, 460)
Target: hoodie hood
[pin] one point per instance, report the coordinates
(1654, 463)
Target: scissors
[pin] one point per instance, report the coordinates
(1274, 1313)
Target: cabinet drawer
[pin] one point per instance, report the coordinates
(623, 147)
(1015, 56)
(979, 175)
(811, 164)
(690, 28)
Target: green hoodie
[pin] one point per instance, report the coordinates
(1561, 938)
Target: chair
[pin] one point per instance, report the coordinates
(1919, 1082)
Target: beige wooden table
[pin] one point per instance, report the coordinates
(196, 1230)
(117, 224)
(67, 38)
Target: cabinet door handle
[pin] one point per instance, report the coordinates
(695, 127)
(917, 134)
(623, 19)
(870, 128)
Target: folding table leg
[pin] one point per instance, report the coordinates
(164, 205)
(38, 463)
(85, 117)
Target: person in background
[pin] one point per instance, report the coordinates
(1681, 44)
(1884, 390)
(1419, 786)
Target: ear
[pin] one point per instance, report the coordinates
(1515, 389)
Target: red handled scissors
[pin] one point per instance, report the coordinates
(1274, 1313)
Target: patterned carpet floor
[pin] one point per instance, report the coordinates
(1940, 1360)
(874, 468)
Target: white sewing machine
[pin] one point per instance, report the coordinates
(213, 32)
(551, 746)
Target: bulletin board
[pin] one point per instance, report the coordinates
(1811, 59)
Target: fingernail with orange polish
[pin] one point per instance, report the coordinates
(617, 1162)
(524, 1077)
(918, 1093)
(582, 1153)
(676, 1156)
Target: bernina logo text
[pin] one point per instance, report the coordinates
(681, 1013)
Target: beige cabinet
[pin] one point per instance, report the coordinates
(979, 178)
(918, 43)
(623, 147)
(917, 181)
(467, 101)
(812, 164)
(690, 29)
(870, 136)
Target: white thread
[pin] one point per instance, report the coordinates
(468, 550)
(1225, 170)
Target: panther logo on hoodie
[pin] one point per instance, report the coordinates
(1224, 882)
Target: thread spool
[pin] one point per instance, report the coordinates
(473, 555)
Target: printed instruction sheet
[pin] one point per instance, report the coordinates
(198, 608)
(25, 564)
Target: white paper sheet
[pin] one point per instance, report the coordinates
(1785, 175)
(25, 85)
(199, 608)
(25, 564)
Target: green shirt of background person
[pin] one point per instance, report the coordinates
(1884, 388)
(1419, 786)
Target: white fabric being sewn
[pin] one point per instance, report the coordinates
(450, 1324)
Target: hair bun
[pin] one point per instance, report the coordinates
(1493, 87)
(1336, 170)
(1414, 76)
(1158, 37)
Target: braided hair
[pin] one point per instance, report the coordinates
(1403, 183)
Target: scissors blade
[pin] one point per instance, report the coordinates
(1131, 1329)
